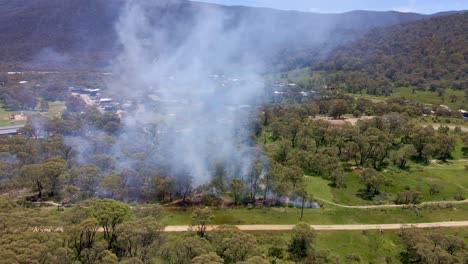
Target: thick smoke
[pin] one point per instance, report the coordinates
(195, 86)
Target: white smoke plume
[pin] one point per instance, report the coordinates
(195, 86)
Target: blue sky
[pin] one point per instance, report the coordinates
(338, 6)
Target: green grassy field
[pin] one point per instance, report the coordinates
(451, 176)
(369, 245)
(5, 117)
(425, 97)
(327, 215)
(55, 110)
(347, 196)
(303, 76)
(319, 187)
(430, 98)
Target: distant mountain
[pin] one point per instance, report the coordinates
(30, 28)
(428, 54)
(82, 32)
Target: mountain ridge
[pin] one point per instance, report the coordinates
(83, 32)
(430, 54)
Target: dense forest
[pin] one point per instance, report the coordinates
(74, 157)
(105, 231)
(57, 34)
(95, 185)
(296, 142)
(45, 164)
(429, 54)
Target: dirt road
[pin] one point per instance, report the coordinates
(389, 205)
(331, 227)
(186, 228)
(351, 206)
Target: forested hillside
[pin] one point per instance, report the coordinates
(431, 54)
(73, 33)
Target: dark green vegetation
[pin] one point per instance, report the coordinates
(108, 231)
(393, 158)
(70, 159)
(425, 55)
(423, 61)
(388, 158)
(40, 165)
(83, 35)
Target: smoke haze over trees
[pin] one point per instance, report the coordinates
(133, 115)
(197, 88)
(84, 31)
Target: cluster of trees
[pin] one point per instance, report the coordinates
(74, 157)
(43, 159)
(434, 247)
(335, 104)
(428, 54)
(320, 148)
(108, 231)
(18, 98)
(96, 231)
(105, 231)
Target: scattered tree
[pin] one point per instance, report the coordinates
(301, 244)
(200, 219)
(237, 187)
(372, 181)
(110, 213)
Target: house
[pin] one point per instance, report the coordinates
(105, 101)
(108, 104)
(92, 92)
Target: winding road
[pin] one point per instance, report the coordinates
(390, 205)
(379, 206)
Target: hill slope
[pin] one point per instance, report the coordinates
(428, 54)
(74, 32)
